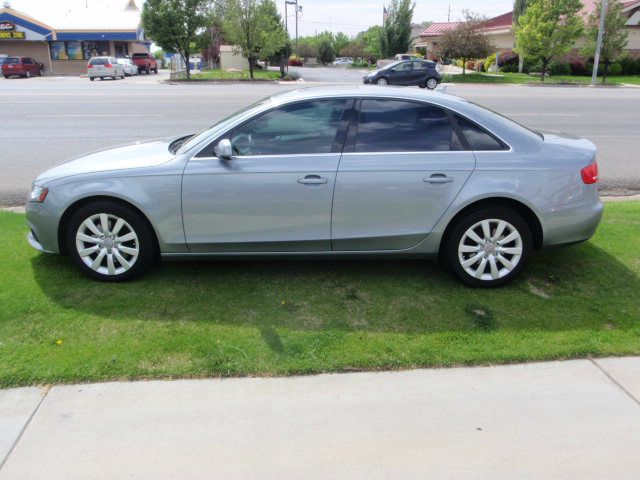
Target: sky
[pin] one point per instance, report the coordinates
(349, 16)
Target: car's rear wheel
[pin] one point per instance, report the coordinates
(382, 82)
(148, 71)
(110, 242)
(39, 72)
(155, 70)
(28, 74)
(92, 78)
(431, 83)
(489, 247)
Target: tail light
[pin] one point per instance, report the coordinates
(108, 65)
(89, 66)
(590, 173)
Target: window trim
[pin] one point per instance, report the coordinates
(505, 145)
(336, 148)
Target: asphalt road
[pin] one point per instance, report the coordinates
(48, 120)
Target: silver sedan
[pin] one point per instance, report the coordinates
(327, 172)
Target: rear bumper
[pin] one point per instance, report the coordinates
(572, 225)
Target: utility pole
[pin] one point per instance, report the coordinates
(601, 32)
(295, 3)
(449, 14)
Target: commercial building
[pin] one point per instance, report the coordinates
(500, 29)
(64, 44)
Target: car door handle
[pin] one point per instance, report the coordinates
(438, 178)
(313, 180)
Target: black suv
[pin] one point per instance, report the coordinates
(422, 73)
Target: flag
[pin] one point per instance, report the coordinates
(385, 14)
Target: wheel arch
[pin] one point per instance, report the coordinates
(528, 215)
(72, 208)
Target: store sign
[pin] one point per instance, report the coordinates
(8, 30)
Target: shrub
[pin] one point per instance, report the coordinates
(479, 65)
(470, 65)
(630, 66)
(615, 68)
(459, 63)
(326, 52)
(578, 66)
(490, 60)
(559, 68)
(508, 61)
(295, 61)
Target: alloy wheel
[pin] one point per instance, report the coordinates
(432, 83)
(490, 249)
(382, 82)
(107, 244)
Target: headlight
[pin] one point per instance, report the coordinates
(38, 194)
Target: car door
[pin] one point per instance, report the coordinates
(400, 74)
(403, 165)
(275, 193)
(419, 72)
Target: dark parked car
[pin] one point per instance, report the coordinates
(422, 73)
(23, 66)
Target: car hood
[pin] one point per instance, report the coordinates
(138, 155)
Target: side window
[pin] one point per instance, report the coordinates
(401, 126)
(27, 61)
(420, 66)
(403, 67)
(477, 137)
(299, 128)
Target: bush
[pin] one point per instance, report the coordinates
(615, 68)
(295, 61)
(479, 66)
(630, 66)
(578, 66)
(470, 65)
(559, 68)
(490, 60)
(508, 62)
(326, 52)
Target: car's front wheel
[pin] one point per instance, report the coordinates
(110, 242)
(382, 82)
(431, 83)
(489, 247)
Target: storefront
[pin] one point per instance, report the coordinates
(64, 50)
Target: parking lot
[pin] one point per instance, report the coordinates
(50, 119)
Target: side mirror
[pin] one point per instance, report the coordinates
(224, 151)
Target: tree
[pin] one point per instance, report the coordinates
(307, 48)
(174, 24)
(355, 49)
(396, 33)
(340, 40)
(615, 35)
(519, 7)
(548, 29)
(326, 52)
(254, 27)
(466, 41)
(371, 38)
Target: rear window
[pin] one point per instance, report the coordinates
(12, 61)
(140, 55)
(98, 61)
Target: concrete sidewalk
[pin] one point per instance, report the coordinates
(557, 420)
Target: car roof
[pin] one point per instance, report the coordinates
(362, 91)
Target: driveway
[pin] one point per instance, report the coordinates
(575, 419)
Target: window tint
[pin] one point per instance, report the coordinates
(305, 127)
(12, 61)
(27, 61)
(399, 126)
(140, 55)
(403, 67)
(477, 138)
(420, 66)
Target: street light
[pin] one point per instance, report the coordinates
(596, 58)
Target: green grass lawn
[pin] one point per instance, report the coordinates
(525, 78)
(243, 75)
(198, 319)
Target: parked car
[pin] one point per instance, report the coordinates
(343, 61)
(128, 66)
(104, 67)
(22, 66)
(145, 62)
(327, 172)
(406, 56)
(422, 73)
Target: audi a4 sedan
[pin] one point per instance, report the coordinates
(327, 172)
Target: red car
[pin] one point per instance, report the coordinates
(23, 66)
(145, 62)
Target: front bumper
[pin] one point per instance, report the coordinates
(368, 80)
(43, 222)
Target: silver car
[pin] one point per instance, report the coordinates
(104, 67)
(327, 172)
(128, 66)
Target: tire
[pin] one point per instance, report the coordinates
(148, 71)
(509, 258)
(92, 78)
(155, 70)
(39, 72)
(28, 74)
(383, 82)
(6, 76)
(431, 83)
(104, 257)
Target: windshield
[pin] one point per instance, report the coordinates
(99, 61)
(391, 65)
(140, 55)
(205, 133)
